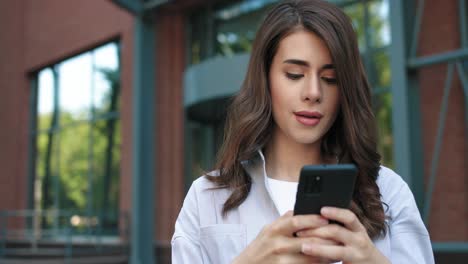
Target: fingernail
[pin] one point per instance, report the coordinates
(325, 210)
(306, 247)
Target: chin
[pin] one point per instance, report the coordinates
(306, 140)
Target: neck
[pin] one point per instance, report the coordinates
(285, 157)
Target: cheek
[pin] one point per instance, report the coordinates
(335, 101)
(279, 93)
(275, 91)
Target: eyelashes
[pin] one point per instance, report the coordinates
(329, 80)
(295, 77)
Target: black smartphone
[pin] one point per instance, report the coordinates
(324, 185)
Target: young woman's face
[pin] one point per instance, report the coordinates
(305, 97)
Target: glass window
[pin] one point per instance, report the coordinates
(225, 30)
(381, 69)
(382, 104)
(235, 26)
(74, 81)
(45, 98)
(379, 24)
(356, 12)
(78, 138)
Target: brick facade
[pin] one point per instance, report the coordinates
(440, 33)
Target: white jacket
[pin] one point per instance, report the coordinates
(202, 235)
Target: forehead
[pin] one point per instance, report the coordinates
(304, 45)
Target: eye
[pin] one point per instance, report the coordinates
(293, 76)
(329, 80)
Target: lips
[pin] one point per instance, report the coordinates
(308, 118)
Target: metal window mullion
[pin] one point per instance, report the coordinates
(416, 29)
(367, 42)
(406, 110)
(450, 247)
(463, 78)
(91, 123)
(32, 146)
(3, 232)
(399, 88)
(449, 56)
(438, 143)
(132, 6)
(143, 188)
(57, 146)
(188, 153)
(208, 47)
(463, 18)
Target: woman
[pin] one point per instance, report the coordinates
(305, 100)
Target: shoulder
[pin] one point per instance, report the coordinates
(205, 190)
(202, 183)
(395, 192)
(400, 205)
(389, 182)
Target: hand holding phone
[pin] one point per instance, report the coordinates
(324, 185)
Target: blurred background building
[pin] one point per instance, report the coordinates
(110, 109)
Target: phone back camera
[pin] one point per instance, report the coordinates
(314, 185)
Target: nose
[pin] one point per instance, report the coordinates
(312, 90)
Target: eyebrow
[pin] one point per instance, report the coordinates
(306, 64)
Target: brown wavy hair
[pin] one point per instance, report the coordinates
(352, 137)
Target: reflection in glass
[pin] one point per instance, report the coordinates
(381, 66)
(43, 168)
(45, 104)
(382, 104)
(242, 8)
(75, 78)
(106, 170)
(74, 165)
(235, 35)
(379, 23)
(356, 13)
(105, 78)
(78, 138)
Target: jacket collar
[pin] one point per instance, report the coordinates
(256, 168)
(258, 209)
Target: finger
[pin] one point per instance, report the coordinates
(288, 224)
(290, 250)
(303, 258)
(332, 232)
(345, 216)
(294, 245)
(321, 241)
(335, 253)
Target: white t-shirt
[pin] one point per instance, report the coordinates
(283, 194)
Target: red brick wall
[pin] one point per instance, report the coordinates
(35, 34)
(14, 110)
(170, 65)
(440, 33)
